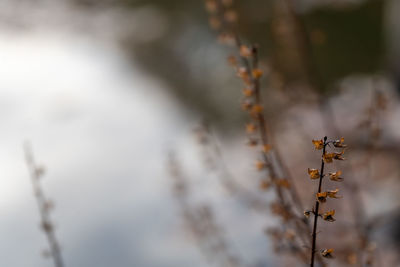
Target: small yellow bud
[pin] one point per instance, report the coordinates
(260, 165)
(314, 173)
(257, 73)
(245, 51)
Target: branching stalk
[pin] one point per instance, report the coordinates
(316, 210)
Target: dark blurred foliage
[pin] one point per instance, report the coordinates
(354, 41)
(344, 39)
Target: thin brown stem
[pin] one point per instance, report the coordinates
(316, 210)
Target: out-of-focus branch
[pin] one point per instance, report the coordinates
(45, 206)
(201, 221)
(214, 161)
(288, 204)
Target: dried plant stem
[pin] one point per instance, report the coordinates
(263, 131)
(302, 226)
(200, 220)
(208, 139)
(316, 210)
(356, 203)
(289, 200)
(44, 207)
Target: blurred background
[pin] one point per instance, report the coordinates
(112, 94)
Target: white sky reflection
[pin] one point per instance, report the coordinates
(102, 130)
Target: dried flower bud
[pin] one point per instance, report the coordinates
(335, 176)
(252, 142)
(327, 253)
(338, 156)
(250, 128)
(314, 173)
(319, 144)
(248, 92)
(256, 110)
(328, 216)
(266, 148)
(245, 51)
(307, 213)
(232, 61)
(321, 197)
(246, 105)
(260, 165)
(283, 183)
(211, 6)
(257, 73)
(230, 16)
(242, 73)
(329, 157)
(226, 38)
(332, 193)
(339, 143)
(264, 185)
(215, 23)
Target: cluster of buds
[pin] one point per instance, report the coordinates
(250, 75)
(321, 195)
(222, 18)
(247, 70)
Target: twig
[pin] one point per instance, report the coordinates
(201, 221)
(44, 205)
(316, 210)
(322, 196)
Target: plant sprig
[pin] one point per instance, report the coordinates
(322, 196)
